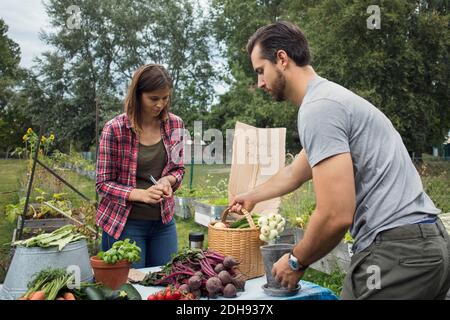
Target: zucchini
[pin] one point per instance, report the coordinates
(117, 295)
(131, 291)
(106, 291)
(94, 293)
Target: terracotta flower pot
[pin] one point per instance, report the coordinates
(111, 275)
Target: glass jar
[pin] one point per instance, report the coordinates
(196, 240)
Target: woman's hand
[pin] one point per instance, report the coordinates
(152, 195)
(166, 186)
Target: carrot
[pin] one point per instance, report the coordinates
(69, 296)
(38, 295)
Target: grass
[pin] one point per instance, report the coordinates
(184, 227)
(10, 171)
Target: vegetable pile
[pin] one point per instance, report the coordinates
(60, 238)
(100, 292)
(121, 250)
(271, 227)
(53, 284)
(202, 273)
(172, 293)
(238, 224)
(50, 284)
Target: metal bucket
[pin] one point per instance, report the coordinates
(29, 261)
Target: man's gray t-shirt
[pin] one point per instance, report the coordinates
(389, 193)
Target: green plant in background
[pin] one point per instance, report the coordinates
(301, 221)
(298, 206)
(31, 139)
(216, 201)
(348, 237)
(208, 190)
(39, 209)
(121, 250)
(12, 211)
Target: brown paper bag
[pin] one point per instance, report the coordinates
(258, 153)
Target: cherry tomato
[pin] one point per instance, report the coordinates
(176, 295)
(160, 296)
(151, 297)
(169, 295)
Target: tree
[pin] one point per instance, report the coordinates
(401, 68)
(13, 122)
(96, 55)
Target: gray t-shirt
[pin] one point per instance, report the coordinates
(389, 193)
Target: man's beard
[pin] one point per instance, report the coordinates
(279, 87)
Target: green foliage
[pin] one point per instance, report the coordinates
(12, 120)
(333, 281)
(401, 68)
(298, 206)
(209, 188)
(435, 179)
(121, 250)
(216, 201)
(37, 209)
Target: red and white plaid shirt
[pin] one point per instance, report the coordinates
(117, 167)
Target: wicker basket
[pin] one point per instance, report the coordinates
(242, 244)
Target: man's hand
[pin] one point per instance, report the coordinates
(244, 200)
(284, 274)
(284, 181)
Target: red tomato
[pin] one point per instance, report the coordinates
(168, 295)
(151, 297)
(160, 296)
(176, 295)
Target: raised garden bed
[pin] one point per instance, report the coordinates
(205, 211)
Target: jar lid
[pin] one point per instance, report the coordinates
(196, 236)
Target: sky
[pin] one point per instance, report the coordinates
(25, 19)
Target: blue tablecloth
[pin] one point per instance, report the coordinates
(254, 290)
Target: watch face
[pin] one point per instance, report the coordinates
(293, 264)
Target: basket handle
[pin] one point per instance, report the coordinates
(243, 212)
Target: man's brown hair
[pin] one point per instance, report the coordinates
(281, 35)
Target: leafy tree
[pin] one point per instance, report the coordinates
(13, 122)
(401, 68)
(93, 62)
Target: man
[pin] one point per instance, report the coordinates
(362, 176)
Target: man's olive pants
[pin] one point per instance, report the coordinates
(407, 262)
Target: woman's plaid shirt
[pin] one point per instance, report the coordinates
(117, 166)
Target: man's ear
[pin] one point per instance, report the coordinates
(282, 59)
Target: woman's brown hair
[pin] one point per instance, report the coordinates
(147, 78)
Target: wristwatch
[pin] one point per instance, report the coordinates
(294, 264)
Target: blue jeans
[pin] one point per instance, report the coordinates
(157, 241)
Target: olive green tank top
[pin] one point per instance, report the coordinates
(151, 161)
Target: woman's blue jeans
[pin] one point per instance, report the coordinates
(157, 241)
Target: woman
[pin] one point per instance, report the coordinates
(144, 142)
